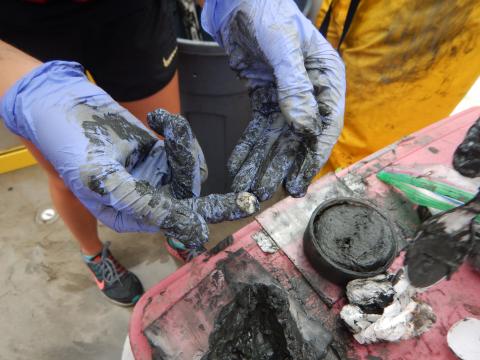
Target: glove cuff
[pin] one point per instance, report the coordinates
(8, 104)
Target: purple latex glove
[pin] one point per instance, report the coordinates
(297, 89)
(127, 178)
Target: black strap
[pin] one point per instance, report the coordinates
(348, 20)
(326, 21)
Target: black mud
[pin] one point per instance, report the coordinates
(100, 129)
(222, 245)
(466, 159)
(441, 244)
(474, 256)
(270, 152)
(354, 236)
(180, 146)
(258, 325)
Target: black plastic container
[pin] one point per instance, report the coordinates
(215, 102)
(331, 269)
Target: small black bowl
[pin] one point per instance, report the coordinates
(346, 232)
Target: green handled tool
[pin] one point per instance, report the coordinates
(424, 192)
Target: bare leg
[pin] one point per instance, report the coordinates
(13, 65)
(78, 219)
(168, 98)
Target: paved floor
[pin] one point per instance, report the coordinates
(49, 306)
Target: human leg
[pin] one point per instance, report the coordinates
(167, 98)
(117, 283)
(76, 217)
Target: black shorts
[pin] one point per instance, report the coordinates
(129, 46)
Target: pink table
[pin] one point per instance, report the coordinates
(180, 310)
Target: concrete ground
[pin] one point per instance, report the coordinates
(49, 306)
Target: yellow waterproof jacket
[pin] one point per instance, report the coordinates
(408, 64)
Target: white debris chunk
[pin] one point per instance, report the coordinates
(356, 319)
(464, 340)
(247, 202)
(401, 318)
(265, 242)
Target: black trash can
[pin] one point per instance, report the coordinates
(215, 102)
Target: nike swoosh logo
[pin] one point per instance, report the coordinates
(100, 284)
(168, 61)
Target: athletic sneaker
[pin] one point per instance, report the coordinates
(119, 285)
(180, 252)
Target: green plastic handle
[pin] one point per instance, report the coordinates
(433, 186)
(424, 192)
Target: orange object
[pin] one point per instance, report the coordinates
(408, 63)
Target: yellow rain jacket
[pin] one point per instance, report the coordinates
(408, 64)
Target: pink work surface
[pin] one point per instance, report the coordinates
(183, 306)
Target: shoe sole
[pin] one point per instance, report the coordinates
(120, 303)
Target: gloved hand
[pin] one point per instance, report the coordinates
(128, 178)
(466, 159)
(297, 89)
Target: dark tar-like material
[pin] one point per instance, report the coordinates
(354, 236)
(261, 324)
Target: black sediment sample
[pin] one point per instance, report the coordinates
(261, 324)
(354, 236)
(466, 159)
(441, 244)
(474, 256)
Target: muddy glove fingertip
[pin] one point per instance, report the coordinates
(297, 183)
(297, 190)
(216, 208)
(160, 120)
(248, 202)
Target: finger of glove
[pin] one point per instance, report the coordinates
(329, 91)
(277, 164)
(306, 165)
(120, 190)
(466, 159)
(326, 72)
(123, 200)
(327, 75)
(181, 149)
(246, 143)
(328, 80)
(309, 162)
(263, 103)
(215, 208)
(281, 39)
(253, 167)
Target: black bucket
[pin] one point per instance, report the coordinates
(215, 102)
(358, 241)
